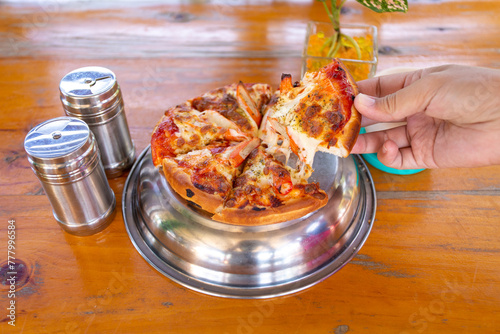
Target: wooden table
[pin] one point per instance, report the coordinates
(430, 265)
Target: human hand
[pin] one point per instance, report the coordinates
(452, 116)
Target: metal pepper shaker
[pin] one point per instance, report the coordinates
(93, 95)
(64, 155)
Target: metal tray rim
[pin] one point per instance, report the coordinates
(137, 238)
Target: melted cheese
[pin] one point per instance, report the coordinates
(283, 111)
(286, 119)
(307, 145)
(256, 172)
(195, 157)
(225, 170)
(217, 162)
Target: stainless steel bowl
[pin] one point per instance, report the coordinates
(183, 243)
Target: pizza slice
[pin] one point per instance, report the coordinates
(233, 103)
(278, 144)
(317, 113)
(266, 193)
(183, 129)
(205, 176)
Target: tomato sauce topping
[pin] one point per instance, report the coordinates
(161, 140)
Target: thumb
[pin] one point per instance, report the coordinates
(396, 106)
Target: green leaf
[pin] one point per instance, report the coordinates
(383, 6)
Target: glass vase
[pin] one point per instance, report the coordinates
(319, 50)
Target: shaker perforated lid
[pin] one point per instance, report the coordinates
(90, 93)
(62, 147)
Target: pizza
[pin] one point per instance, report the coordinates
(315, 114)
(244, 152)
(264, 193)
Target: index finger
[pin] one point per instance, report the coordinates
(387, 84)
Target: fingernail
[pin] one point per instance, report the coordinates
(365, 100)
(384, 148)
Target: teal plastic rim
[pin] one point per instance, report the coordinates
(372, 159)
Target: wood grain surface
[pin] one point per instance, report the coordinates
(430, 265)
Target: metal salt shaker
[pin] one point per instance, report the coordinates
(64, 155)
(93, 95)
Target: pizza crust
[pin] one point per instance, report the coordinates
(347, 138)
(292, 209)
(181, 182)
